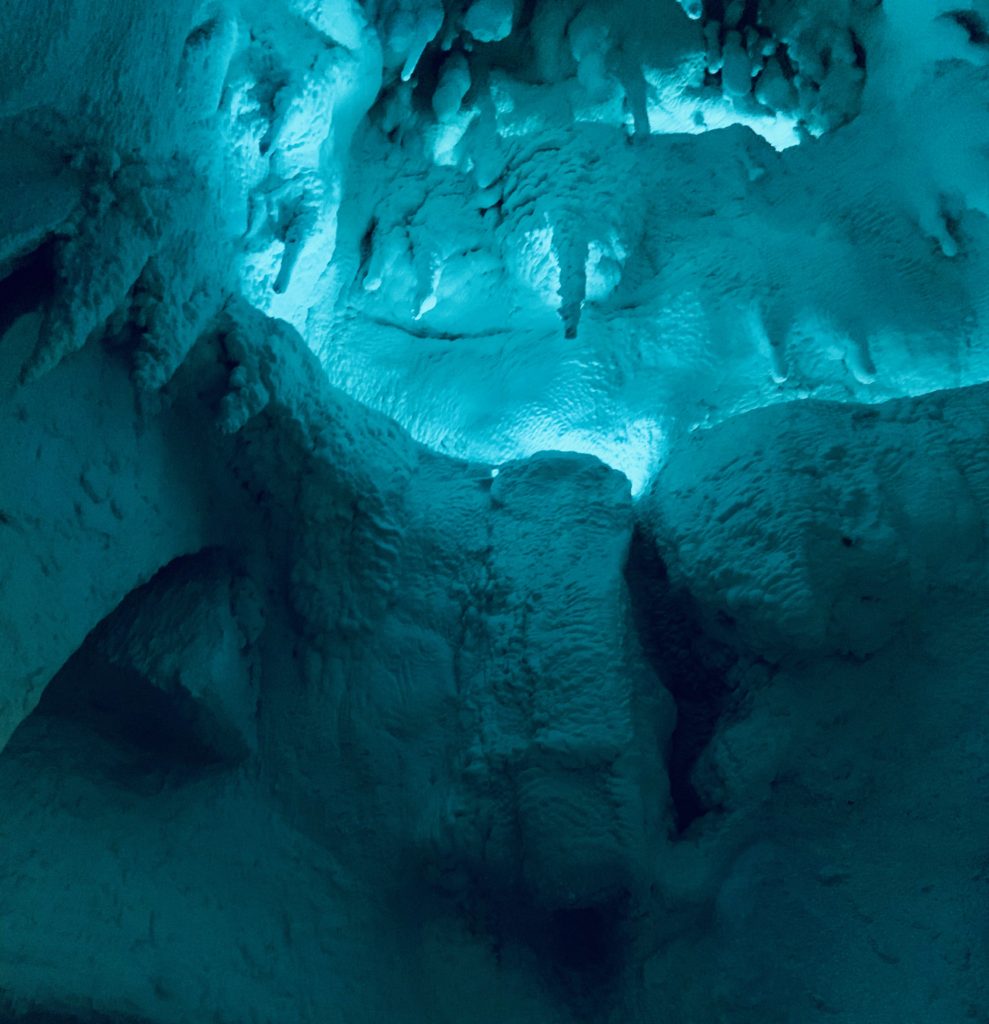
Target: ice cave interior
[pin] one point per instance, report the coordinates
(494, 506)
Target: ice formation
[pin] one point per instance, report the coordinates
(494, 510)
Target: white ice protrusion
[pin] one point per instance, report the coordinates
(572, 254)
(773, 89)
(772, 347)
(421, 33)
(452, 87)
(713, 56)
(736, 70)
(489, 20)
(692, 8)
(858, 358)
(427, 295)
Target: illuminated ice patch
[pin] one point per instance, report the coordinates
(676, 104)
(537, 265)
(603, 268)
(634, 449)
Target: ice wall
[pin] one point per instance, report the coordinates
(538, 211)
(492, 511)
(359, 660)
(537, 198)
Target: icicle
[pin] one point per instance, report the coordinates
(422, 35)
(571, 254)
(714, 58)
(859, 361)
(427, 293)
(771, 347)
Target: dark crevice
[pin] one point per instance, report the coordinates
(692, 665)
(526, 13)
(200, 35)
(129, 728)
(426, 334)
(29, 286)
(714, 10)
(582, 950)
(427, 75)
(156, 729)
(860, 52)
(786, 64)
(366, 250)
(750, 17)
(973, 23)
(584, 939)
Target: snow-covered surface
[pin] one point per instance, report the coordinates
(493, 511)
(837, 526)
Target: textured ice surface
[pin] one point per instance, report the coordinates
(493, 511)
(544, 201)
